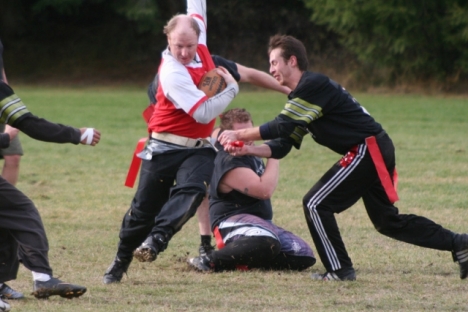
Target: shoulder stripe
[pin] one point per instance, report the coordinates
(301, 110)
(11, 108)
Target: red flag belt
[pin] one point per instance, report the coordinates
(384, 176)
(135, 165)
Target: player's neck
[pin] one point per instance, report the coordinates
(294, 79)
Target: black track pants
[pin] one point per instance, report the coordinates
(171, 187)
(21, 233)
(341, 187)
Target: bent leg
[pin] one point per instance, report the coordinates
(249, 240)
(295, 253)
(192, 179)
(407, 228)
(21, 219)
(337, 190)
(152, 194)
(252, 251)
(9, 263)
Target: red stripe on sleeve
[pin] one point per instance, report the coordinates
(194, 108)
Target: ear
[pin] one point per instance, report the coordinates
(293, 61)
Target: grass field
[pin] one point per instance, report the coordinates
(80, 193)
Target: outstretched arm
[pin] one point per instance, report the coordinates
(248, 134)
(260, 79)
(15, 114)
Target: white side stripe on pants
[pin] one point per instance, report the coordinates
(339, 177)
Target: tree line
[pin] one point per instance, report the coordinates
(366, 43)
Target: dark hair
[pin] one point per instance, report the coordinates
(290, 46)
(232, 116)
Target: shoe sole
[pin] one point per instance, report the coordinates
(7, 297)
(45, 293)
(144, 254)
(320, 277)
(197, 268)
(110, 279)
(11, 298)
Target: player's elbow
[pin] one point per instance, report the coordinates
(204, 120)
(201, 117)
(266, 193)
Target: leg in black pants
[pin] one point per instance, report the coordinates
(21, 226)
(338, 189)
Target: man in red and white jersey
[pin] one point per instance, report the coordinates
(178, 159)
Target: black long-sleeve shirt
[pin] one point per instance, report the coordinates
(14, 112)
(323, 108)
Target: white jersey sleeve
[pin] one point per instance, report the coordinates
(197, 10)
(177, 84)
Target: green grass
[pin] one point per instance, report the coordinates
(80, 193)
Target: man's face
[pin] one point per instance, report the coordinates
(279, 68)
(243, 125)
(183, 45)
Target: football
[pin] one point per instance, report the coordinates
(212, 83)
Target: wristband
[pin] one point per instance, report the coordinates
(88, 136)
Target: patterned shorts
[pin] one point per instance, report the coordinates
(241, 225)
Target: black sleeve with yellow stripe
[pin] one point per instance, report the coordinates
(12, 108)
(292, 122)
(14, 112)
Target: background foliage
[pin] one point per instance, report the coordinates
(413, 39)
(361, 43)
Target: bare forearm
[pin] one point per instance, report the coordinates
(263, 150)
(249, 134)
(270, 177)
(260, 79)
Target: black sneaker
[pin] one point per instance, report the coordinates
(4, 306)
(116, 271)
(347, 275)
(205, 250)
(6, 292)
(460, 253)
(148, 250)
(55, 287)
(202, 264)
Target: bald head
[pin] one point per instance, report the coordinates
(183, 24)
(182, 35)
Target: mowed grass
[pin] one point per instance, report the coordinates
(81, 195)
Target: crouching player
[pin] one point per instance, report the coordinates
(241, 212)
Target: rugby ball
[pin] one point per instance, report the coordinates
(212, 83)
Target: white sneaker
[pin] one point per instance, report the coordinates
(4, 306)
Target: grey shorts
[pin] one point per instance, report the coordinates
(15, 147)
